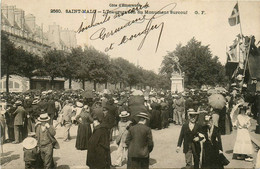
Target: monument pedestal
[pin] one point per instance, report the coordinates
(177, 84)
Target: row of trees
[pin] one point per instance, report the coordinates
(89, 64)
(81, 65)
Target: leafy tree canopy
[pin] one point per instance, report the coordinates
(196, 60)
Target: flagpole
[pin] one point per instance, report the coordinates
(239, 21)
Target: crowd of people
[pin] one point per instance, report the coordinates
(127, 117)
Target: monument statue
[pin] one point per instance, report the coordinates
(177, 79)
(176, 66)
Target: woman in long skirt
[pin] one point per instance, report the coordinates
(84, 120)
(243, 146)
(121, 153)
(212, 147)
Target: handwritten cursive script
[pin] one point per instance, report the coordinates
(103, 33)
(149, 27)
(93, 22)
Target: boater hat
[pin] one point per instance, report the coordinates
(192, 112)
(79, 104)
(18, 102)
(36, 101)
(44, 117)
(124, 114)
(29, 143)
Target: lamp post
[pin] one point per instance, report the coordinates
(257, 130)
(183, 76)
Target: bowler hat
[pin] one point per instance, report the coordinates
(143, 115)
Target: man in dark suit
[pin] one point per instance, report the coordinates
(19, 117)
(140, 143)
(51, 109)
(190, 134)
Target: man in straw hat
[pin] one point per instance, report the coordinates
(45, 136)
(140, 143)
(190, 135)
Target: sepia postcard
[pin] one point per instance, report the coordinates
(140, 31)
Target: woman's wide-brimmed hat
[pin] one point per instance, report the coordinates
(124, 114)
(29, 143)
(44, 117)
(143, 115)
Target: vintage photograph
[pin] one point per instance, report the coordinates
(130, 84)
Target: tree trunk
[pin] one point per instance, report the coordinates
(52, 83)
(83, 84)
(30, 81)
(70, 80)
(120, 84)
(106, 85)
(7, 82)
(95, 85)
(115, 85)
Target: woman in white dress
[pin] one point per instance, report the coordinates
(121, 154)
(243, 146)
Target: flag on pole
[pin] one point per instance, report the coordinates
(234, 18)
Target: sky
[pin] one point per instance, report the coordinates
(210, 27)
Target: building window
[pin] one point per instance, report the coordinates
(11, 84)
(16, 85)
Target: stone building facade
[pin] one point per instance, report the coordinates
(23, 31)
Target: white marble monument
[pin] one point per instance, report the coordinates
(177, 79)
(177, 84)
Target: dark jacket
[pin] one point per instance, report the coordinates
(139, 141)
(51, 109)
(108, 121)
(45, 137)
(9, 115)
(30, 154)
(187, 136)
(19, 115)
(211, 147)
(99, 149)
(43, 105)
